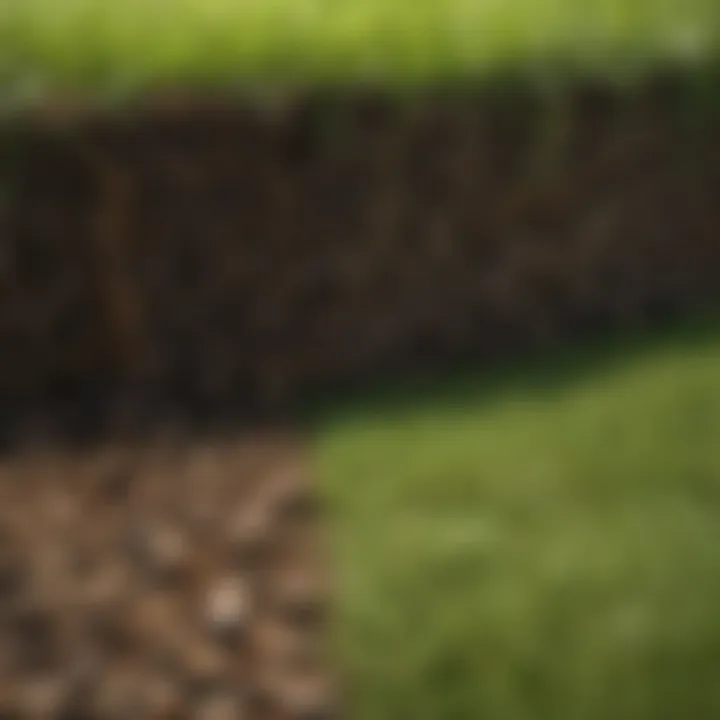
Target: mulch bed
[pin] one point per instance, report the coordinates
(167, 578)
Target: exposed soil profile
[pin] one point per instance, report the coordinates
(212, 251)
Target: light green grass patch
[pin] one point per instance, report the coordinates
(135, 43)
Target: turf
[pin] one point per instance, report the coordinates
(536, 543)
(116, 46)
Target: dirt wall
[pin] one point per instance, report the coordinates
(221, 251)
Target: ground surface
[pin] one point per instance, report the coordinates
(172, 579)
(539, 543)
(137, 43)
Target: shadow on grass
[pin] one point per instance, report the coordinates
(533, 372)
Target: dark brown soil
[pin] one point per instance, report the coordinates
(172, 578)
(219, 252)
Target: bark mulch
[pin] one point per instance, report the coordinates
(165, 578)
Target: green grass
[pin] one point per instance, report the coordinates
(541, 543)
(116, 46)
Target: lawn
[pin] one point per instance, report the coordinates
(115, 46)
(540, 542)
